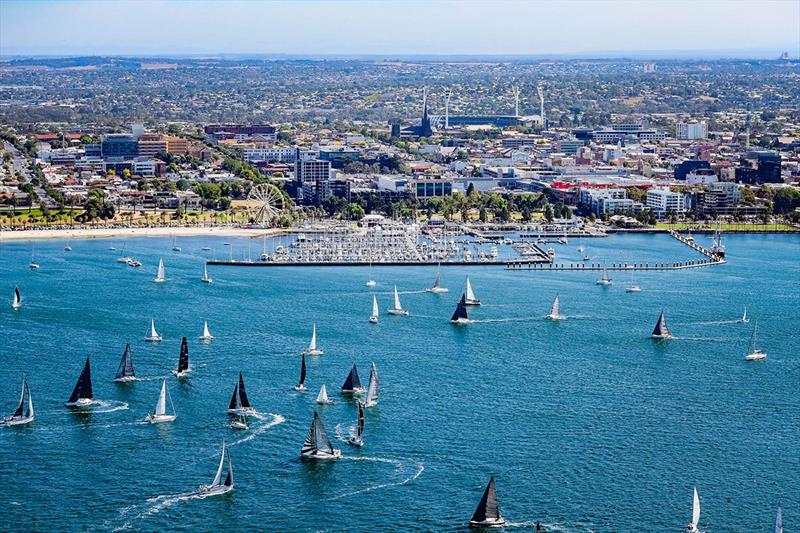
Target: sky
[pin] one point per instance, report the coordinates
(748, 28)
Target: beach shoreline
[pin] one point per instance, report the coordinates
(107, 233)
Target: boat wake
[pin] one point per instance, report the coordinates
(510, 319)
(403, 468)
(153, 506)
(351, 430)
(719, 322)
(276, 419)
(153, 378)
(699, 339)
(107, 406)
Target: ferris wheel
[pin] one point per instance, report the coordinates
(265, 203)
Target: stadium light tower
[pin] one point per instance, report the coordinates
(516, 101)
(540, 90)
(447, 109)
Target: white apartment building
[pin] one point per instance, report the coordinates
(687, 131)
(282, 154)
(662, 201)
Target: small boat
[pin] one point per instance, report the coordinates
(437, 285)
(692, 526)
(206, 248)
(239, 423)
(744, 319)
(756, 354)
(82, 393)
(124, 259)
(487, 514)
(125, 370)
(604, 280)
(134, 263)
(317, 445)
(301, 384)
(175, 247)
(372, 391)
(460, 315)
(33, 265)
(160, 415)
(555, 310)
(633, 288)
(779, 521)
(322, 397)
(358, 439)
(112, 247)
(397, 309)
(717, 248)
(206, 278)
(312, 346)
(17, 302)
(68, 247)
(183, 360)
(371, 282)
(352, 385)
(21, 415)
(374, 317)
(586, 258)
(218, 486)
(240, 403)
(470, 296)
(661, 331)
(154, 336)
(160, 274)
(206, 336)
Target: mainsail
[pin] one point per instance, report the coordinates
(661, 330)
(438, 282)
(125, 369)
(29, 413)
(206, 332)
(352, 383)
(302, 371)
(153, 333)
(239, 399)
(779, 521)
(372, 390)
(183, 359)
(229, 477)
(374, 306)
(313, 344)
(360, 419)
(18, 412)
(161, 406)
(218, 478)
(317, 438)
(83, 388)
(322, 397)
(460, 314)
(488, 509)
(470, 295)
(160, 273)
(397, 305)
(555, 311)
(696, 508)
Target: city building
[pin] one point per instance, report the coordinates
(701, 176)
(119, 145)
(690, 165)
(217, 132)
(311, 175)
(688, 131)
(760, 167)
(281, 154)
(569, 146)
(662, 201)
(430, 187)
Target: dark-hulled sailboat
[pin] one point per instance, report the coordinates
(125, 371)
(358, 438)
(352, 385)
(661, 331)
(317, 445)
(183, 360)
(460, 315)
(239, 403)
(301, 384)
(487, 514)
(82, 393)
(21, 415)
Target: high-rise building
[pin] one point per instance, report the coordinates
(687, 131)
(311, 174)
(662, 201)
(119, 145)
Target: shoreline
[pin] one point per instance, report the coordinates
(107, 233)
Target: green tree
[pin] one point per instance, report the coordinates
(548, 213)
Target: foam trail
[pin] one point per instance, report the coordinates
(108, 406)
(398, 468)
(339, 435)
(276, 419)
(153, 378)
(155, 505)
(511, 319)
(717, 322)
(700, 339)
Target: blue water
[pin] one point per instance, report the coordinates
(587, 424)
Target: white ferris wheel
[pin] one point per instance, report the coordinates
(265, 202)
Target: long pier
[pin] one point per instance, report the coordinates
(520, 266)
(354, 263)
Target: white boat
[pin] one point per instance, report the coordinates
(82, 394)
(352, 384)
(218, 486)
(125, 370)
(487, 514)
(160, 274)
(604, 280)
(555, 310)
(206, 278)
(183, 360)
(322, 397)
(437, 285)
(175, 247)
(744, 319)
(17, 302)
(317, 445)
(372, 390)
(154, 336)
(586, 258)
(460, 315)
(206, 336)
(240, 403)
(206, 248)
(756, 354)
(661, 331)
(469, 296)
(779, 521)
(160, 415)
(397, 309)
(374, 317)
(68, 247)
(633, 288)
(371, 282)
(358, 439)
(21, 415)
(239, 423)
(301, 385)
(33, 264)
(312, 346)
(692, 526)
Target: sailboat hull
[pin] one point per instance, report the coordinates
(437, 290)
(660, 337)
(373, 319)
(360, 390)
(313, 352)
(156, 338)
(461, 321)
(319, 455)
(555, 317)
(181, 374)
(16, 421)
(472, 302)
(603, 282)
(358, 442)
(300, 388)
(211, 490)
(160, 419)
(398, 312)
(633, 289)
(206, 337)
(207, 280)
(125, 379)
(15, 306)
(371, 283)
(757, 355)
(237, 425)
(81, 402)
(489, 522)
(325, 402)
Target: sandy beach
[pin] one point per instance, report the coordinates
(104, 233)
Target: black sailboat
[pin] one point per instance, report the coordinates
(358, 438)
(317, 444)
(239, 402)
(82, 393)
(183, 359)
(487, 514)
(661, 331)
(460, 315)
(125, 371)
(352, 385)
(301, 384)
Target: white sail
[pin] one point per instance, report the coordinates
(397, 305)
(779, 521)
(160, 274)
(161, 406)
(374, 306)
(206, 278)
(218, 478)
(153, 332)
(312, 346)
(322, 397)
(470, 294)
(372, 391)
(696, 508)
(555, 310)
(206, 333)
(744, 316)
(29, 414)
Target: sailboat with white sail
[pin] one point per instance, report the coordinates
(17, 302)
(460, 315)
(21, 414)
(183, 360)
(317, 445)
(352, 384)
(397, 309)
(358, 439)
(160, 414)
(240, 403)
(661, 331)
(206, 278)
(322, 397)
(239, 422)
(125, 370)
(153, 336)
(374, 317)
(469, 298)
(633, 287)
(371, 282)
(437, 284)
(372, 390)
(604, 280)
(312, 346)
(160, 273)
(33, 265)
(487, 514)
(301, 384)
(779, 521)
(555, 310)
(692, 526)
(175, 247)
(206, 336)
(744, 319)
(755, 354)
(82, 394)
(218, 486)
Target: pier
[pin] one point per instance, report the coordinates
(525, 265)
(693, 245)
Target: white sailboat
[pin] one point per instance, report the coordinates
(160, 274)
(21, 415)
(756, 354)
(322, 397)
(372, 390)
(317, 444)
(312, 346)
(397, 309)
(175, 247)
(744, 319)
(633, 287)
(218, 486)
(779, 521)
(371, 282)
(33, 264)
(437, 285)
(206, 278)
(160, 415)
(358, 439)
(555, 310)
(604, 280)
(692, 526)
(239, 423)
(374, 317)
(469, 298)
(17, 303)
(206, 336)
(154, 336)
